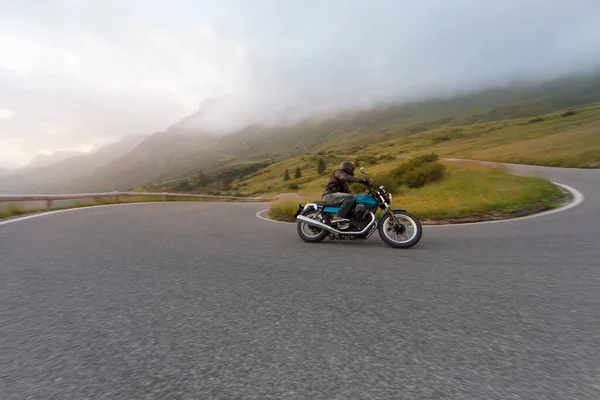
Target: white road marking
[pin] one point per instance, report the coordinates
(578, 198)
(19, 219)
(259, 215)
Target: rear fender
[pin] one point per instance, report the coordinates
(307, 207)
(386, 213)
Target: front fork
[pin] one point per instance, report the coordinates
(398, 227)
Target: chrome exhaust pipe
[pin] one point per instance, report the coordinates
(318, 224)
(328, 228)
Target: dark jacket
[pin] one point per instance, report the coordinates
(337, 182)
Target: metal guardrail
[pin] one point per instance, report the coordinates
(49, 198)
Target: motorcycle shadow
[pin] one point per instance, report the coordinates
(377, 243)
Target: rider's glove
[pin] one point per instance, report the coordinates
(365, 181)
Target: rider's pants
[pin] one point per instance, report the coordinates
(347, 200)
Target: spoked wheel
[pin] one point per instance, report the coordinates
(310, 233)
(402, 236)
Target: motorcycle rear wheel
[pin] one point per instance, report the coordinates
(310, 233)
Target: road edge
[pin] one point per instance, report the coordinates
(12, 220)
(578, 198)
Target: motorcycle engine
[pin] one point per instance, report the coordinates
(360, 213)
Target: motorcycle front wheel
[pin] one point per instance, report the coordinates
(310, 233)
(402, 236)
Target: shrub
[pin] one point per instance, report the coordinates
(365, 160)
(388, 180)
(183, 186)
(569, 113)
(414, 173)
(426, 173)
(535, 120)
(386, 157)
(293, 186)
(440, 139)
(283, 210)
(414, 163)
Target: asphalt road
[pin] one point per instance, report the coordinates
(205, 301)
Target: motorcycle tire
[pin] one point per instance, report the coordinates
(389, 234)
(308, 233)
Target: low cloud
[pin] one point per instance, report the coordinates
(50, 113)
(6, 113)
(81, 73)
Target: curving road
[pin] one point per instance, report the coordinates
(205, 301)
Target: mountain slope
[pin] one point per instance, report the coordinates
(189, 146)
(565, 139)
(44, 160)
(65, 175)
(386, 122)
(160, 156)
(340, 132)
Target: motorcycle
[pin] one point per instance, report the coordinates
(397, 228)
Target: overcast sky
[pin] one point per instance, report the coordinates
(77, 74)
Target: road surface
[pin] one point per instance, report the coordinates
(206, 301)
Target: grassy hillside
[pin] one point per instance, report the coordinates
(466, 192)
(477, 192)
(471, 126)
(496, 124)
(569, 138)
(386, 122)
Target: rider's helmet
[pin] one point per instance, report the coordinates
(348, 167)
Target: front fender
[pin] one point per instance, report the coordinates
(386, 213)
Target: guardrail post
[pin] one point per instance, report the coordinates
(48, 204)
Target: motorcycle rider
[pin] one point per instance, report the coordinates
(337, 190)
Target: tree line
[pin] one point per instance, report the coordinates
(298, 174)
